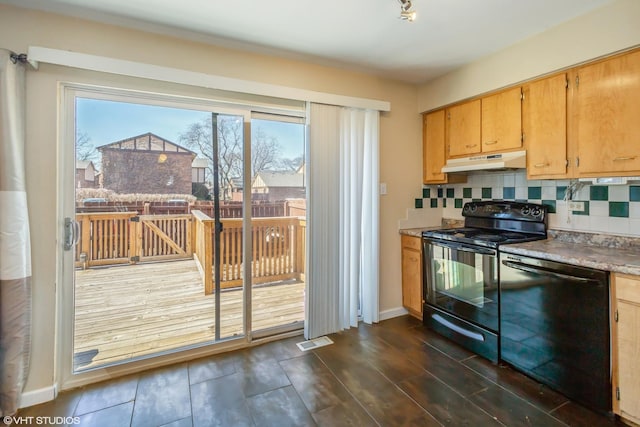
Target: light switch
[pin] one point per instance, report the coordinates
(383, 188)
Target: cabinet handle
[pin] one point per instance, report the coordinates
(471, 145)
(618, 159)
(490, 142)
(541, 165)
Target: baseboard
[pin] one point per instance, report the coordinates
(391, 313)
(36, 397)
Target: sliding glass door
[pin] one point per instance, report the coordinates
(279, 221)
(184, 229)
(154, 244)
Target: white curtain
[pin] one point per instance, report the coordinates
(15, 251)
(342, 267)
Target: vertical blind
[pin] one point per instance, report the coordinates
(343, 218)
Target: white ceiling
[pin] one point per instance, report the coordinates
(364, 35)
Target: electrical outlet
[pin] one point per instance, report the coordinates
(576, 206)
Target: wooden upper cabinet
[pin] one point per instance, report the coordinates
(544, 123)
(463, 129)
(433, 148)
(606, 116)
(502, 121)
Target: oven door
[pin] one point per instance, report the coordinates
(462, 280)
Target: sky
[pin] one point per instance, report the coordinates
(108, 121)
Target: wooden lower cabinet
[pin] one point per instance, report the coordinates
(626, 346)
(412, 274)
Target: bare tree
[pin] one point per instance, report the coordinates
(84, 148)
(198, 138)
(265, 152)
(264, 149)
(290, 164)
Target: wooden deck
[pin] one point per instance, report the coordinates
(123, 312)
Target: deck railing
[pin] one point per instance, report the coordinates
(203, 248)
(105, 239)
(277, 250)
(123, 237)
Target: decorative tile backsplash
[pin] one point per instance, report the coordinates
(613, 209)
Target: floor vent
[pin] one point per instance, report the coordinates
(314, 343)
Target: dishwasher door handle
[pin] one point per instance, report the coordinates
(545, 271)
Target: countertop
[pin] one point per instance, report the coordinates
(616, 259)
(609, 253)
(417, 232)
(446, 223)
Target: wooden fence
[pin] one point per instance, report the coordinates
(235, 209)
(123, 237)
(227, 209)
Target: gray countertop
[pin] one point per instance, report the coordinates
(417, 232)
(610, 253)
(619, 260)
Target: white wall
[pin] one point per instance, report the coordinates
(613, 27)
(400, 135)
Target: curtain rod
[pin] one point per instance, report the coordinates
(127, 68)
(23, 59)
(18, 57)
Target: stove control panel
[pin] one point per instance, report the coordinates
(505, 209)
(534, 211)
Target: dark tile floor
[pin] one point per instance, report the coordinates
(395, 373)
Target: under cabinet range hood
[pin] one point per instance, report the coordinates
(511, 160)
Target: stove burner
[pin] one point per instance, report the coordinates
(489, 237)
(512, 235)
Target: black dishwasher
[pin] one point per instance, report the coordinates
(554, 326)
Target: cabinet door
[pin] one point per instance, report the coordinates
(627, 335)
(463, 129)
(502, 121)
(433, 148)
(606, 112)
(545, 127)
(412, 275)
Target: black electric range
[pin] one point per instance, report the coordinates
(461, 270)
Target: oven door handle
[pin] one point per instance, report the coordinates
(463, 248)
(462, 331)
(541, 270)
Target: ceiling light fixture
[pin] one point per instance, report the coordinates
(406, 14)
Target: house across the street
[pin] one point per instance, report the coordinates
(86, 174)
(279, 185)
(147, 164)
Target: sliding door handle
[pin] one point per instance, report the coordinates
(71, 233)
